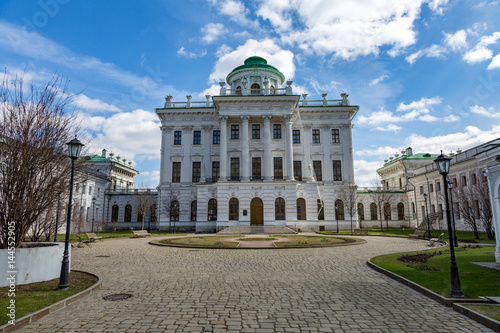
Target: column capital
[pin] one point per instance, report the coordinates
(223, 118)
(288, 117)
(245, 117)
(266, 118)
(207, 127)
(166, 128)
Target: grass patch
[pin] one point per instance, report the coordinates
(35, 296)
(75, 238)
(256, 239)
(209, 241)
(305, 241)
(434, 274)
(462, 236)
(489, 310)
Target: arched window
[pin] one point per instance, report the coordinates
(361, 211)
(339, 210)
(279, 209)
(128, 213)
(238, 90)
(152, 213)
(114, 213)
(387, 211)
(174, 210)
(234, 209)
(194, 210)
(401, 211)
(301, 209)
(273, 90)
(255, 89)
(212, 210)
(373, 211)
(321, 210)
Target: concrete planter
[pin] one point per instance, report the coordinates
(34, 262)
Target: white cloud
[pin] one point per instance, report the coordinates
(378, 80)
(223, 50)
(437, 6)
(365, 172)
(470, 137)
(433, 51)
(235, 11)
(135, 135)
(189, 54)
(422, 105)
(212, 32)
(379, 151)
(149, 179)
(267, 48)
(389, 128)
(456, 41)
(480, 110)
(414, 57)
(495, 62)
(92, 105)
(480, 52)
(334, 27)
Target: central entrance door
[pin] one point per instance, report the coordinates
(256, 212)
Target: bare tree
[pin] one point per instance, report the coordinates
(482, 194)
(34, 168)
(349, 196)
(165, 200)
(382, 197)
(468, 210)
(143, 203)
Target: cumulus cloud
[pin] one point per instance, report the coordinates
(235, 11)
(267, 48)
(212, 32)
(480, 110)
(456, 41)
(378, 151)
(93, 105)
(438, 6)
(135, 135)
(495, 62)
(365, 172)
(422, 105)
(389, 128)
(481, 52)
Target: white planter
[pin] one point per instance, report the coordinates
(32, 264)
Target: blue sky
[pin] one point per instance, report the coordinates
(425, 74)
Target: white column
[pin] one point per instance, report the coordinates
(347, 168)
(165, 168)
(267, 168)
(245, 153)
(223, 149)
(289, 148)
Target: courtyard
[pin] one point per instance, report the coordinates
(216, 290)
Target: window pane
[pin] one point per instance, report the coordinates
(279, 209)
(216, 138)
(177, 137)
(297, 170)
(317, 170)
(335, 136)
(256, 168)
(196, 172)
(296, 136)
(277, 131)
(337, 170)
(235, 132)
(176, 172)
(255, 131)
(278, 168)
(316, 134)
(235, 168)
(197, 138)
(215, 171)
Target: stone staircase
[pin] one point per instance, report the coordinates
(256, 229)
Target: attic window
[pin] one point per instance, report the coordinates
(255, 89)
(238, 90)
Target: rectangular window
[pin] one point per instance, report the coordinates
(176, 172)
(317, 170)
(177, 137)
(277, 131)
(464, 181)
(438, 186)
(215, 171)
(431, 188)
(197, 138)
(256, 168)
(235, 132)
(255, 131)
(433, 208)
(455, 183)
(441, 211)
(335, 135)
(297, 170)
(296, 136)
(196, 172)
(474, 179)
(421, 190)
(337, 170)
(316, 136)
(216, 137)
(235, 168)
(278, 168)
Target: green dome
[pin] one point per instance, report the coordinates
(256, 62)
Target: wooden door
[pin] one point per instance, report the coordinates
(256, 212)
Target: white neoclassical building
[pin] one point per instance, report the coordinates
(256, 154)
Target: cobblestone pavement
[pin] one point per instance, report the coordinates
(282, 290)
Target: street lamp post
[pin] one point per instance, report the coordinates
(57, 218)
(93, 212)
(450, 186)
(74, 149)
(427, 217)
(443, 166)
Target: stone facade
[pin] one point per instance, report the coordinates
(254, 154)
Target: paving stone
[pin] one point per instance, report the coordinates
(286, 290)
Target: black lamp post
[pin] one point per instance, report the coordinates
(74, 149)
(93, 212)
(450, 186)
(443, 166)
(427, 217)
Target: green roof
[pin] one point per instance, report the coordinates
(256, 62)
